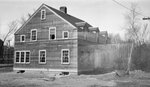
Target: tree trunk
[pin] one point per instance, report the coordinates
(129, 59)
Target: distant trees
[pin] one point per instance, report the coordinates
(115, 38)
(23, 19)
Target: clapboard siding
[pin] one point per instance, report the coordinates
(53, 52)
(53, 47)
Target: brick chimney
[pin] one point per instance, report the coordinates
(63, 9)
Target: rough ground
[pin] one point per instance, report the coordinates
(45, 79)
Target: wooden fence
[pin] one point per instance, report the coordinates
(105, 58)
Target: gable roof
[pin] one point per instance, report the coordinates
(71, 19)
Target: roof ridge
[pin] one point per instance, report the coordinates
(71, 19)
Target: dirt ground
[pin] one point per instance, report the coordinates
(47, 79)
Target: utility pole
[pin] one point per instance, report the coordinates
(148, 18)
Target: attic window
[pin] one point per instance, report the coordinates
(65, 34)
(22, 38)
(43, 14)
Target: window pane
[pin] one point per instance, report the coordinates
(43, 14)
(42, 56)
(23, 38)
(65, 56)
(52, 31)
(34, 35)
(27, 56)
(52, 34)
(65, 34)
(22, 56)
(17, 56)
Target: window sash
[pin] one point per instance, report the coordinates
(27, 57)
(65, 56)
(43, 14)
(22, 38)
(33, 35)
(22, 57)
(17, 57)
(42, 56)
(65, 34)
(52, 33)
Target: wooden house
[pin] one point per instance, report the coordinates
(50, 40)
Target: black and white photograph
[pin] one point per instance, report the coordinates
(74, 43)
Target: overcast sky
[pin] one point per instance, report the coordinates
(105, 14)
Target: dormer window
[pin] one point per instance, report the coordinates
(22, 38)
(65, 34)
(43, 14)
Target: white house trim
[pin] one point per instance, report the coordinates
(63, 34)
(44, 69)
(21, 38)
(49, 32)
(44, 14)
(62, 56)
(39, 57)
(15, 57)
(36, 13)
(31, 34)
(20, 57)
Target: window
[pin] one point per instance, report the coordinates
(22, 38)
(33, 34)
(17, 57)
(27, 57)
(82, 28)
(52, 33)
(42, 56)
(65, 34)
(22, 57)
(43, 14)
(65, 56)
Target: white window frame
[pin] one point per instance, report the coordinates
(44, 14)
(63, 34)
(49, 32)
(29, 57)
(21, 38)
(19, 56)
(24, 57)
(39, 57)
(62, 56)
(31, 34)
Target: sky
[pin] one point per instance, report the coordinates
(105, 14)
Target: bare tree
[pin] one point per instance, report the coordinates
(23, 19)
(12, 27)
(135, 31)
